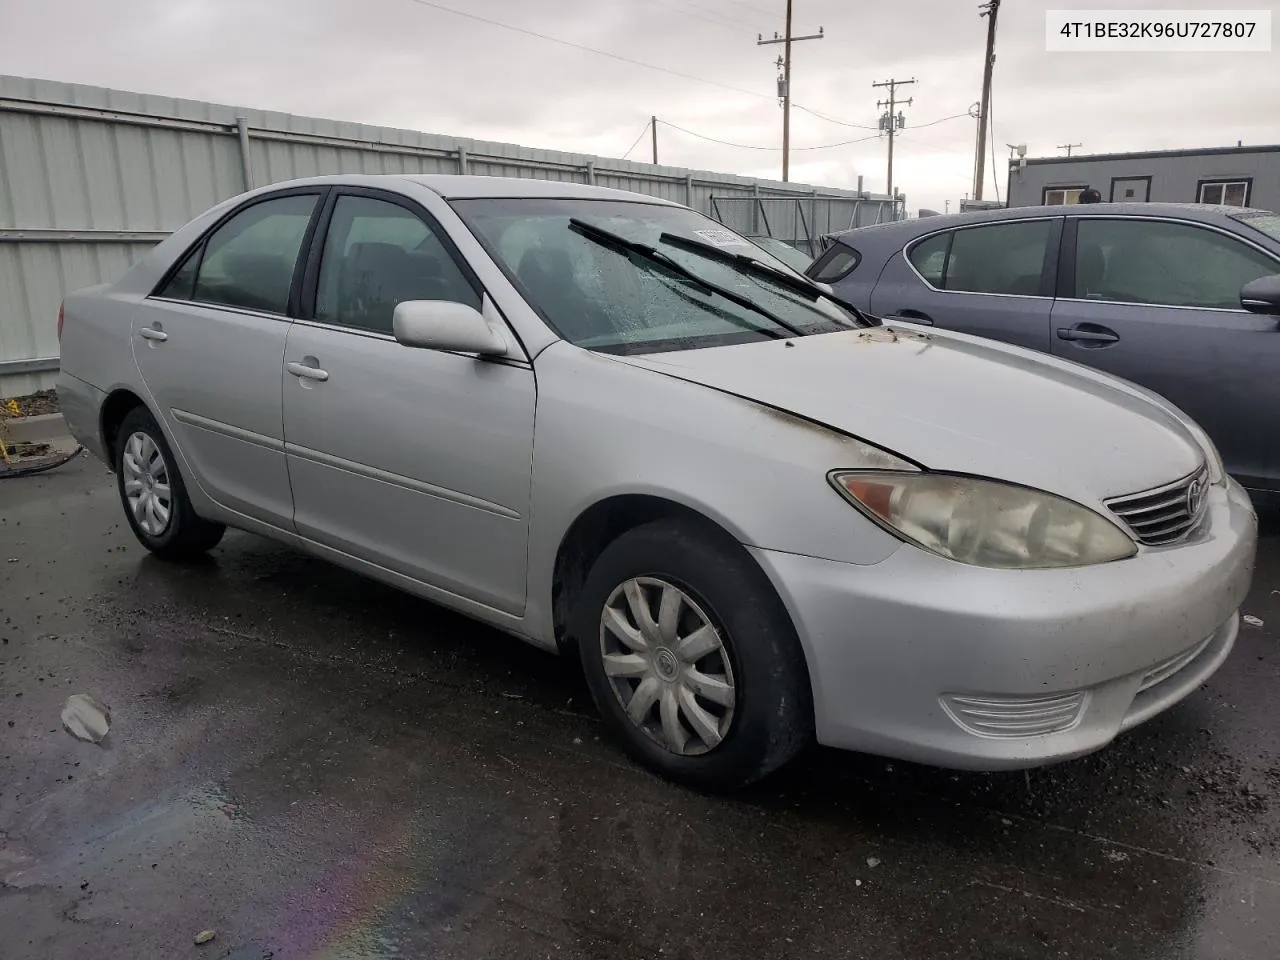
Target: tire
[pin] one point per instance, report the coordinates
(727, 646)
(170, 530)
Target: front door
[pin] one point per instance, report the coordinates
(1158, 302)
(210, 347)
(994, 280)
(416, 460)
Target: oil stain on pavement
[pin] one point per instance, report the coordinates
(313, 765)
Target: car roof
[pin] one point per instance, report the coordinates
(906, 229)
(459, 187)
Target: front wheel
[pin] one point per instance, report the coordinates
(691, 657)
(154, 497)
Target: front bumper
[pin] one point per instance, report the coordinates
(895, 646)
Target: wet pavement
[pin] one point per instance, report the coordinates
(312, 765)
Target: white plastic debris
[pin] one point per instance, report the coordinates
(873, 862)
(86, 718)
(1252, 621)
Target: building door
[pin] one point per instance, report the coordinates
(1130, 189)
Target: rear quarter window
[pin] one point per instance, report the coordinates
(836, 264)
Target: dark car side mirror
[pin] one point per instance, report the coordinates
(1262, 295)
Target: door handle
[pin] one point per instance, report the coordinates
(306, 372)
(153, 333)
(1081, 335)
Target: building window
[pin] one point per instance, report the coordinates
(1231, 193)
(1056, 196)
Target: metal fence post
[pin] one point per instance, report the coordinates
(755, 209)
(591, 172)
(462, 161)
(688, 190)
(246, 167)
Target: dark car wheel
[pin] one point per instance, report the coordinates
(152, 492)
(691, 657)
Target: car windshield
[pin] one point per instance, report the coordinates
(600, 295)
(1265, 221)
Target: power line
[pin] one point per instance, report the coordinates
(954, 116)
(583, 47)
(756, 146)
(843, 123)
(767, 13)
(738, 29)
(638, 139)
(991, 129)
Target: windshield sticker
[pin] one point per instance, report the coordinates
(721, 238)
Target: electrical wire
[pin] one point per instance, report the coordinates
(748, 6)
(754, 146)
(638, 139)
(583, 47)
(697, 14)
(954, 116)
(823, 116)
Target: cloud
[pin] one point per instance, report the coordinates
(403, 63)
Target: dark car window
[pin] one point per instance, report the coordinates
(248, 261)
(1003, 258)
(378, 254)
(836, 264)
(182, 283)
(1159, 262)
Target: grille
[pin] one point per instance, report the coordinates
(1164, 671)
(1015, 716)
(1166, 514)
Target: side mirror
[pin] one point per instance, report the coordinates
(445, 325)
(1262, 295)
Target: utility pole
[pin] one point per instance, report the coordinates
(653, 129)
(890, 122)
(990, 9)
(1067, 147)
(784, 83)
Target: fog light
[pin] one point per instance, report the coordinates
(1016, 716)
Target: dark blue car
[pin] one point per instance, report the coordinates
(1183, 299)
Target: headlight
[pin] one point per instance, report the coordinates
(983, 522)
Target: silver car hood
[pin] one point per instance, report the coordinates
(959, 403)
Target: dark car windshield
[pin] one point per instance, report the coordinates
(602, 297)
(1268, 223)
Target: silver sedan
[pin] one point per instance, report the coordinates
(607, 425)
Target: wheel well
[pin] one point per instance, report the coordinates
(114, 410)
(595, 529)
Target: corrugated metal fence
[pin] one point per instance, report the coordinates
(91, 178)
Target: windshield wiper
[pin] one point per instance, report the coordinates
(608, 238)
(799, 284)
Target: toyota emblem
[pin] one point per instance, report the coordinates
(1195, 492)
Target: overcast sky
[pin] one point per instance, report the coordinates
(403, 63)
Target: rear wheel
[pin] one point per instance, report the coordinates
(691, 656)
(153, 494)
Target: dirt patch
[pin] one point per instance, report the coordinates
(34, 404)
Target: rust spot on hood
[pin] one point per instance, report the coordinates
(890, 335)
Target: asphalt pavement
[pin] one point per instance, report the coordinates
(312, 765)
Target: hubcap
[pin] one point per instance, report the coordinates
(667, 665)
(146, 484)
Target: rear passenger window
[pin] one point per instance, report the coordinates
(1006, 258)
(249, 261)
(929, 257)
(378, 254)
(836, 264)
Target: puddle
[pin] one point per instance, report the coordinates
(86, 718)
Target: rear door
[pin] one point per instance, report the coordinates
(993, 280)
(209, 344)
(1157, 301)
